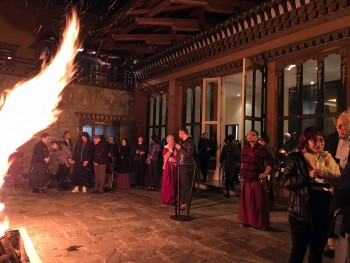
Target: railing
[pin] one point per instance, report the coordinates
(86, 74)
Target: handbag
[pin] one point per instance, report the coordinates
(148, 160)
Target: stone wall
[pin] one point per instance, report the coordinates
(80, 98)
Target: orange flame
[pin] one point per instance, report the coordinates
(4, 223)
(31, 106)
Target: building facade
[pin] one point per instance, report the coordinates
(279, 67)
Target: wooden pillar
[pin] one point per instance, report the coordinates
(174, 108)
(346, 78)
(272, 105)
(141, 109)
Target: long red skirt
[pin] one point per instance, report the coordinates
(254, 205)
(123, 181)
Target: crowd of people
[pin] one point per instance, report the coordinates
(316, 173)
(96, 165)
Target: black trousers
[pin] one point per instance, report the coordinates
(39, 175)
(231, 176)
(185, 173)
(139, 172)
(313, 233)
(82, 175)
(203, 164)
(63, 176)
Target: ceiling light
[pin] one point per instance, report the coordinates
(312, 82)
(291, 66)
(333, 100)
(81, 49)
(9, 58)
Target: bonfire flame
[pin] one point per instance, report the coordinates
(31, 106)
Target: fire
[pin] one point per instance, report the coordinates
(31, 106)
(4, 223)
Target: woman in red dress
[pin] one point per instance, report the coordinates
(169, 171)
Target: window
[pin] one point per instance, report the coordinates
(157, 116)
(310, 94)
(192, 112)
(99, 124)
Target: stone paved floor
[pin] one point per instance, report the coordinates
(132, 226)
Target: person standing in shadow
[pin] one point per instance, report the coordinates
(110, 164)
(123, 169)
(204, 150)
(153, 167)
(230, 159)
(140, 154)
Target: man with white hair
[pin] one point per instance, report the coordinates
(338, 144)
(289, 142)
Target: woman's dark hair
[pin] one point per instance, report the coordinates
(85, 134)
(126, 142)
(58, 144)
(155, 138)
(310, 133)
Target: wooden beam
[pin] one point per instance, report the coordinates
(137, 12)
(135, 48)
(177, 24)
(152, 39)
(158, 8)
(215, 6)
(172, 8)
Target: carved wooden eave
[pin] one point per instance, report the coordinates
(159, 88)
(192, 80)
(98, 117)
(262, 24)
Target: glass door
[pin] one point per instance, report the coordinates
(253, 97)
(211, 121)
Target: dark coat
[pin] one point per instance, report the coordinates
(123, 160)
(101, 152)
(83, 152)
(341, 199)
(203, 145)
(296, 179)
(138, 158)
(41, 151)
(332, 144)
(186, 154)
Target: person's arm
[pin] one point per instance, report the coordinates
(223, 154)
(292, 178)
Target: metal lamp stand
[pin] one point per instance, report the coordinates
(178, 216)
